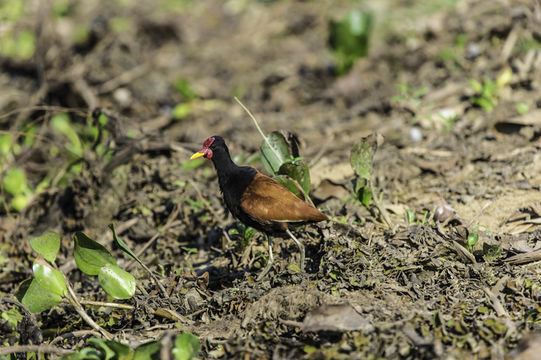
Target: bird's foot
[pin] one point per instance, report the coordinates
(264, 271)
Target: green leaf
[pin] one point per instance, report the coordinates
(123, 245)
(12, 317)
(273, 159)
(365, 197)
(61, 122)
(116, 282)
(471, 240)
(36, 298)
(148, 351)
(298, 172)
(19, 202)
(476, 86)
(184, 89)
(90, 256)
(289, 184)
(47, 245)
(349, 38)
(181, 110)
(48, 278)
(14, 182)
(361, 159)
(101, 345)
(123, 352)
(5, 144)
(410, 214)
(186, 346)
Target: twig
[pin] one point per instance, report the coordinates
(258, 128)
(496, 303)
(33, 348)
(106, 304)
(72, 334)
(480, 212)
(78, 307)
(125, 78)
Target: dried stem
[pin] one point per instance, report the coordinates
(79, 308)
(258, 128)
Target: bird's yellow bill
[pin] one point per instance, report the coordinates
(197, 155)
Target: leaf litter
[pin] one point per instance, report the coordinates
(415, 292)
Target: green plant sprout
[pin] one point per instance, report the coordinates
(281, 159)
(186, 347)
(408, 94)
(472, 239)
(361, 159)
(246, 233)
(486, 93)
(349, 38)
(49, 286)
(80, 138)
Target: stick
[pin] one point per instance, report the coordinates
(33, 348)
(258, 128)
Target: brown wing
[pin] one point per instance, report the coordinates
(267, 199)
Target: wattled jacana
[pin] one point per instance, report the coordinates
(257, 200)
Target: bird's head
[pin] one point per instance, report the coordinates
(211, 145)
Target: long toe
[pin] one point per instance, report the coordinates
(301, 249)
(265, 270)
(269, 262)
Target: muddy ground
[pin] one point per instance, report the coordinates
(460, 165)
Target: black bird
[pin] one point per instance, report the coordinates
(258, 200)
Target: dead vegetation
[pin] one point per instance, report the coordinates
(454, 90)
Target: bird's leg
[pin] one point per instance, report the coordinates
(299, 245)
(270, 261)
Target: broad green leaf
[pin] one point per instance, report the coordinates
(289, 184)
(186, 346)
(36, 298)
(101, 345)
(123, 352)
(116, 282)
(273, 159)
(19, 202)
(298, 172)
(14, 182)
(148, 351)
(361, 159)
(122, 244)
(48, 278)
(47, 245)
(90, 256)
(472, 239)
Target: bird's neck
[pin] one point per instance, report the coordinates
(223, 164)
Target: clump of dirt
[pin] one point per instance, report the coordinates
(453, 89)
